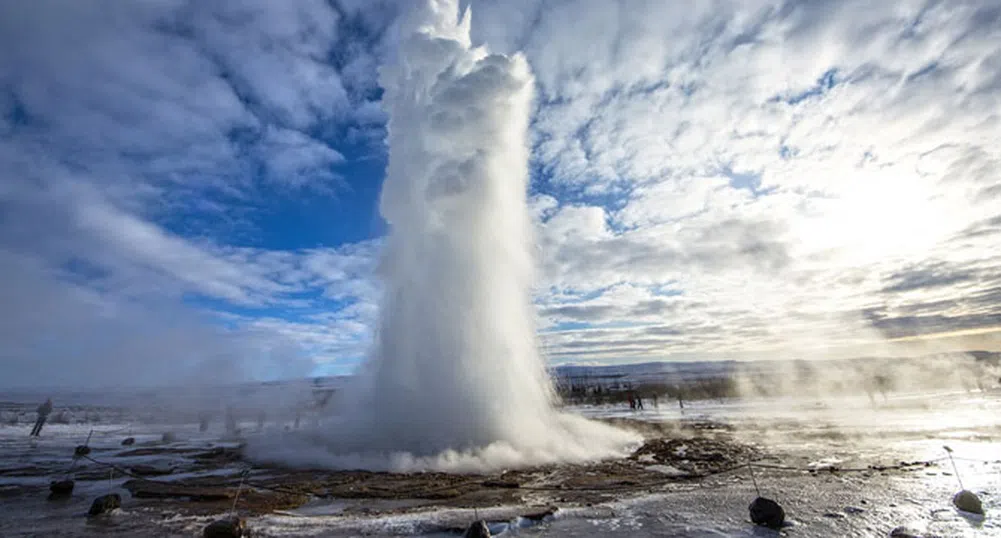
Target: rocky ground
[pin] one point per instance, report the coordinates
(688, 478)
(176, 478)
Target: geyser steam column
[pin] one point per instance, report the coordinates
(455, 381)
(457, 365)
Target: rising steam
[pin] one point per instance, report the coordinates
(455, 381)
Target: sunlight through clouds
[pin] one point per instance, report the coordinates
(709, 179)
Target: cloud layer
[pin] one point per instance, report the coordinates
(732, 179)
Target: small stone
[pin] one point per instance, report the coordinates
(478, 529)
(767, 513)
(228, 527)
(61, 489)
(903, 532)
(968, 502)
(104, 504)
(81, 450)
(853, 510)
(128, 441)
(834, 515)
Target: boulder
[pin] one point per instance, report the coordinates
(81, 450)
(104, 504)
(128, 441)
(61, 489)
(227, 527)
(904, 532)
(169, 437)
(968, 502)
(478, 529)
(767, 513)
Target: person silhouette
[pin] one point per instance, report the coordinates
(43, 414)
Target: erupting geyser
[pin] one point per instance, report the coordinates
(455, 381)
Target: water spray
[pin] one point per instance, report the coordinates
(455, 366)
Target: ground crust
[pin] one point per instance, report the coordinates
(671, 455)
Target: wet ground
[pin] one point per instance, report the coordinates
(839, 469)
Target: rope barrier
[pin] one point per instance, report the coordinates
(113, 432)
(120, 469)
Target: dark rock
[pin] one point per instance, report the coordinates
(695, 457)
(149, 470)
(220, 455)
(478, 529)
(968, 502)
(767, 513)
(150, 489)
(105, 503)
(539, 515)
(903, 532)
(128, 441)
(169, 437)
(61, 489)
(507, 484)
(81, 450)
(228, 527)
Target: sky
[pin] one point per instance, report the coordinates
(189, 190)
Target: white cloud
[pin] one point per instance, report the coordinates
(276, 55)
(776, 163)
(717, 178)
(298, 159)
(120, 119)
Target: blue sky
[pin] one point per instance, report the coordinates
(191, 188)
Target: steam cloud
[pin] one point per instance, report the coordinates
(455, 381)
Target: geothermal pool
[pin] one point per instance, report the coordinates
(829, 463)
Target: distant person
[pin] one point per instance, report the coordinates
(230, 421)
(632, 401)
(639, 402)
(655, 400)
(203, 422)
(43, 414)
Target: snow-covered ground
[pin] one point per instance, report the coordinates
(804, 433)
